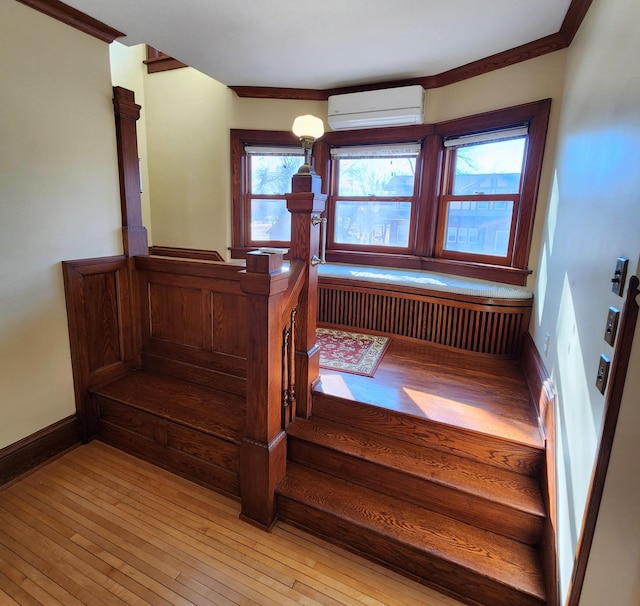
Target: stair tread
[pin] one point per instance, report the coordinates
(207, 410)
(489, 449)
(492, 556)
(506, 487)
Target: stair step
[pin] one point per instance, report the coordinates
(502, 501)
(492, 450)
(206, 410)
(473, 564)
(192, 430)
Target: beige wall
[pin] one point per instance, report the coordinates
(593, 217)
(59, 199)
(188, 117)
(127, 71)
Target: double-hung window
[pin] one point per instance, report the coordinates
(481, 195)
(373, 195)
(455, 197)
(268, 180)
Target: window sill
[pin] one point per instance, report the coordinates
(473, 271)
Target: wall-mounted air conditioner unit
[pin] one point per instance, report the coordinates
(386, 107)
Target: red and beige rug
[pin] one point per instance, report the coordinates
(352, 352)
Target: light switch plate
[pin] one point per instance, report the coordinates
(611, 328)
(619, 276)
(603, 373)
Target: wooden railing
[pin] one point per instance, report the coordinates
(279, 377)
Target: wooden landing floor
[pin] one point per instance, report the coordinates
(97, 526)
(467, 390)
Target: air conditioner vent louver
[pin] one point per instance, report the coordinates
(385, 107)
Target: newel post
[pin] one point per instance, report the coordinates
(305, 203)
(127, 112)
(263, 451)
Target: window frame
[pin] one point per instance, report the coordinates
(335, 198)
(241, 187)
(427, 225)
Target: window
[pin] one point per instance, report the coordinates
(374, 195)
(269, 179)
(456, 197)
(483, 176)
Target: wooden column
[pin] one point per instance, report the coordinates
(305, 240)
(127, 112)
(263, 453)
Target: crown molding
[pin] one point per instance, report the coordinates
(75, 18)
(549, 44)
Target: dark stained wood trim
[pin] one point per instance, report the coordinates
(81, 301)
(549, 44)
(544, 397)
(38, 448)
(157, 61)
(531, 50)
(75, 18)
(273, 92)
(185, 253)
(127, 112)
(613, 401)
(573, 19)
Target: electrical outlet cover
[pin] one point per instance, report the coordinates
(603, 373)
(611, 328)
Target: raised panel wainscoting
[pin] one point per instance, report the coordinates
(433, 467)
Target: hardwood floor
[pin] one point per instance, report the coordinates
(483, 394)
(98, 526)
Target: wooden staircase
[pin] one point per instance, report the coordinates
(190, 429)
(456, 508)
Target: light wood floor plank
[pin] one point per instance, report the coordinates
(222, 531)
(202, 502)
(98, 526)
(56, 531)
(183, 550)
(134, 547)
(185, 594)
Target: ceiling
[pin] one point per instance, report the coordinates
(328, 44)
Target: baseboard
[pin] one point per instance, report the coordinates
(544, 397)
(38, 448)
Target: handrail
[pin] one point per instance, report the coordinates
(297, 278)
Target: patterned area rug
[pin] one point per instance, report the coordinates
(350, 351)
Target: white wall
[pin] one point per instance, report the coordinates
(593, 218)
(59, 199)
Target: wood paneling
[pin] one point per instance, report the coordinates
(177, 314)
(101, 327)
(473, 324)
(193, 312)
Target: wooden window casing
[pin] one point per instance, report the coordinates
(425, 248)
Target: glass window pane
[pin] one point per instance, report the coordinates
(376, 176)
(372, 223)
(489, 168)
(272, 174)
(270, 221)
(479, 230)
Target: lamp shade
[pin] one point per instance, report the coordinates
(308, 126)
